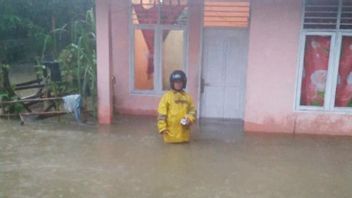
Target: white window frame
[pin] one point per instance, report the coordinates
(336, 70)
(333, 67)
(327, 96)
(185, 52)
(158, 30)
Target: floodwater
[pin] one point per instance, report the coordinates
(59, 158)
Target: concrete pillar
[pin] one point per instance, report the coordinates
(104, 73)
(195, 50)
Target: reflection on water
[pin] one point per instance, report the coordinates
(129, 159)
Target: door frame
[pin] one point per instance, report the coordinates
(201, 69)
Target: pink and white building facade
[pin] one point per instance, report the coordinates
(281, 66)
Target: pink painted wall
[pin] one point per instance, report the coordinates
(124, 101)
(104, 85)
(271, 74)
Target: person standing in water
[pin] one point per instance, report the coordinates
(176, 111)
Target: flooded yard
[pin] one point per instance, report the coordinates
(59, 158)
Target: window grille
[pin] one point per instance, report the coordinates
(346, 15)
(328, 14)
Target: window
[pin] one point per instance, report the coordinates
(325, 77)
(159, 43)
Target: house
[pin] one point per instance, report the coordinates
(279, 65)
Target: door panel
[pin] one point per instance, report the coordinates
(213, 109)
(223, 73)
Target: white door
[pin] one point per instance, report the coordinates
(223, 73)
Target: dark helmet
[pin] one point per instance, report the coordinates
(178, 75)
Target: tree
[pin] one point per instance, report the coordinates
(62, 30)
(25, 24)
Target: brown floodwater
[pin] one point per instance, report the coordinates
(59, 158)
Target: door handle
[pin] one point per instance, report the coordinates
(202, 85)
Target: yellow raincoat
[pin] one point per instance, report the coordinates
(173, 106)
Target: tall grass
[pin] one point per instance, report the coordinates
(7, 93)
(77, 59)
